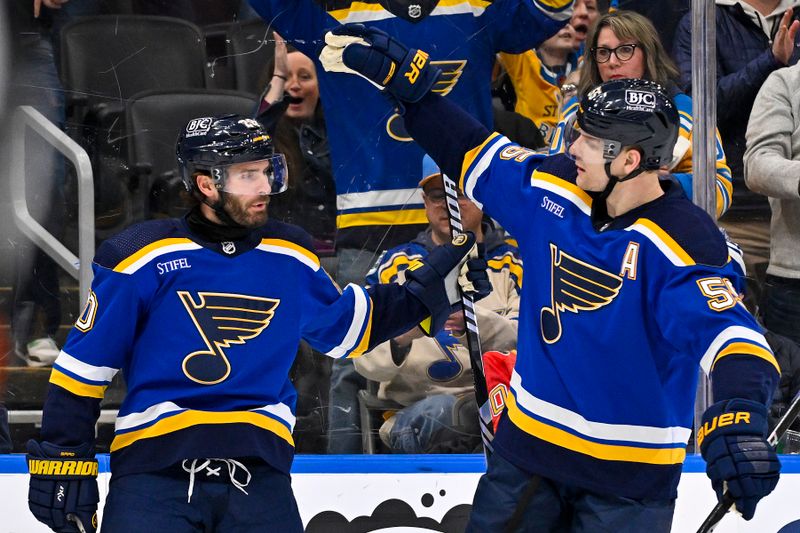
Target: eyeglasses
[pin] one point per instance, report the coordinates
(623, 52)
(438, 197)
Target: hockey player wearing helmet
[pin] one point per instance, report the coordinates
(230, 166)
(203, 315)
(629, 289)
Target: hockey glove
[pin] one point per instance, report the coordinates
(435, 281)
(734, 445)
(380, 59)
(63, 486)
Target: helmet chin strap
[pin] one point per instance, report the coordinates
(599, 207)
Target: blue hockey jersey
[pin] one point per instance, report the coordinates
(614, 321)
(375, 162)
(205, 334)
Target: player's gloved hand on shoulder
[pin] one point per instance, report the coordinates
(385, 62)
(436, 280)
(734, 445)
(63, 486)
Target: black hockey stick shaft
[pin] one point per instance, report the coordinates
(722, 507)
(472, 333)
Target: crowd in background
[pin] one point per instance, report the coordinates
(373, 204)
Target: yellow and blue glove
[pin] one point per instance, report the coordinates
(406, 74)
(63, 486)
(436, 280)
(733, 441)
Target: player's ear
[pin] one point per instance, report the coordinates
(205, 184)
(633, 158)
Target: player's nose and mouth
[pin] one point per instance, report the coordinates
(575, 152)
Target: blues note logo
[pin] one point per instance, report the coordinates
(575, 286)
(222, 320)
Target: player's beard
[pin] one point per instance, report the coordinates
(237, 208)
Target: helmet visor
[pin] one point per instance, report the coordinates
(580, 145)
(263, 177)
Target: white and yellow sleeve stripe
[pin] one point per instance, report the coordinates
(507, 262)
(356, 340)
(476, 161)
(555, 9)
(388, 273)
(80, 378)
(737, 340)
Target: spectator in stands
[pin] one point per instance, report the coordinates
(787, 353)
(35, 82)
(753, 39)
(665, 15)
(530, 83)
(772, 168)
(292, 108)
(537, 76)
(624, 44)
(430, 376)
(375, 161)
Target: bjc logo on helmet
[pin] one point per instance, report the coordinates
(199, 124)
(640, 98)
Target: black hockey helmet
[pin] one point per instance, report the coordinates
(631, 112)
(211, 144)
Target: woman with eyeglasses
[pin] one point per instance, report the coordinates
(625, 44)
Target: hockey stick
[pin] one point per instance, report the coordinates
(471, 322)
(713, 518)
(72, 517)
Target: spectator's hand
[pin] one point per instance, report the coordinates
(455, 323)
(381, 60)
(408, 337)
(281, 69)
(52, 4)
(783, 45)
(734, 445)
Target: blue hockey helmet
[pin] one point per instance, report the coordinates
(211, 144)
(630, 113)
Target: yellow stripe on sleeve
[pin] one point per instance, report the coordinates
(554, 5)
(364, 343)
(76, 387)
(470, 156)
(507, 261)
(747, 348)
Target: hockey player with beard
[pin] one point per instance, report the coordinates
(629, 287)
(203, 315)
